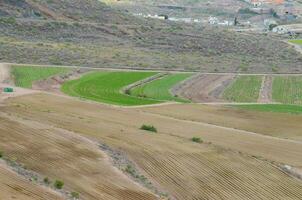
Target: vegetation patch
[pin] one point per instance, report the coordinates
(197, 140)
(288, 90)
(1, 154)
(160, 89)
(299, 42)
(149, 128)
(244, 89)
(25, 76)
(106, 87)
(279, 108)
(58, 184)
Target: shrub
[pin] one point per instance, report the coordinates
(46, 180)
(1, 154)
(58, 184)
(197, 140)
(130, 170)
(75, 195)
(149, 128)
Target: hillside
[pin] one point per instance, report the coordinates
(89, 33)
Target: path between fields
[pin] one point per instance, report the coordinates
(265, 93)
(162, 70)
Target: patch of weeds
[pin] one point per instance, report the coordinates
(149, 128)
(75, 195)
(130, 170)
(197, 140)
(58, 184)
(46, 181)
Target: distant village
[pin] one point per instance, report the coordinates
(276, 16)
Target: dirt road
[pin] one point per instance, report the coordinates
(4, 73)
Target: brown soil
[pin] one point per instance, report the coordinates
(265, 93)
(204, 87)
(220, 168)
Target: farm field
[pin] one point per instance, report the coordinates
(279, 108)
(106, 87)
(24, 76)
(160, 89)
(244, 89)
(182, 168)
(61, 155)
(243, 117)
(13, 186)
(287, 90)
(204, 87)
(299, 42)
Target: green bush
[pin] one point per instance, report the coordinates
(46, 180)
(58, 184)
(130, 170)
(149, 128)
(197, 140)
(75, 195)
(1, 154)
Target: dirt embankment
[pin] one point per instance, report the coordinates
(54, 83)
(204, 88)
(5, 73)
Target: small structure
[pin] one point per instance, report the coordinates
(8, 90)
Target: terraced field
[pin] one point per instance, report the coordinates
(287, 90)
(244, 89)
(24, 76)
(222, 169)
(107, 87)
(160, 89)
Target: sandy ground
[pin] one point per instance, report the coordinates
(203, 88)
(224, 167)
(265, 93)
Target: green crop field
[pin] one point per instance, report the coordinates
(244, 89)
(106, 87)
(25, 76)
(281, 108)
(160, 89)
(296, 42)
(287, 90)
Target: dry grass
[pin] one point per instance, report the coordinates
(184, 169)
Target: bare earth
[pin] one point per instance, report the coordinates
(204, 88)
(265, 93)
(231, 164)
